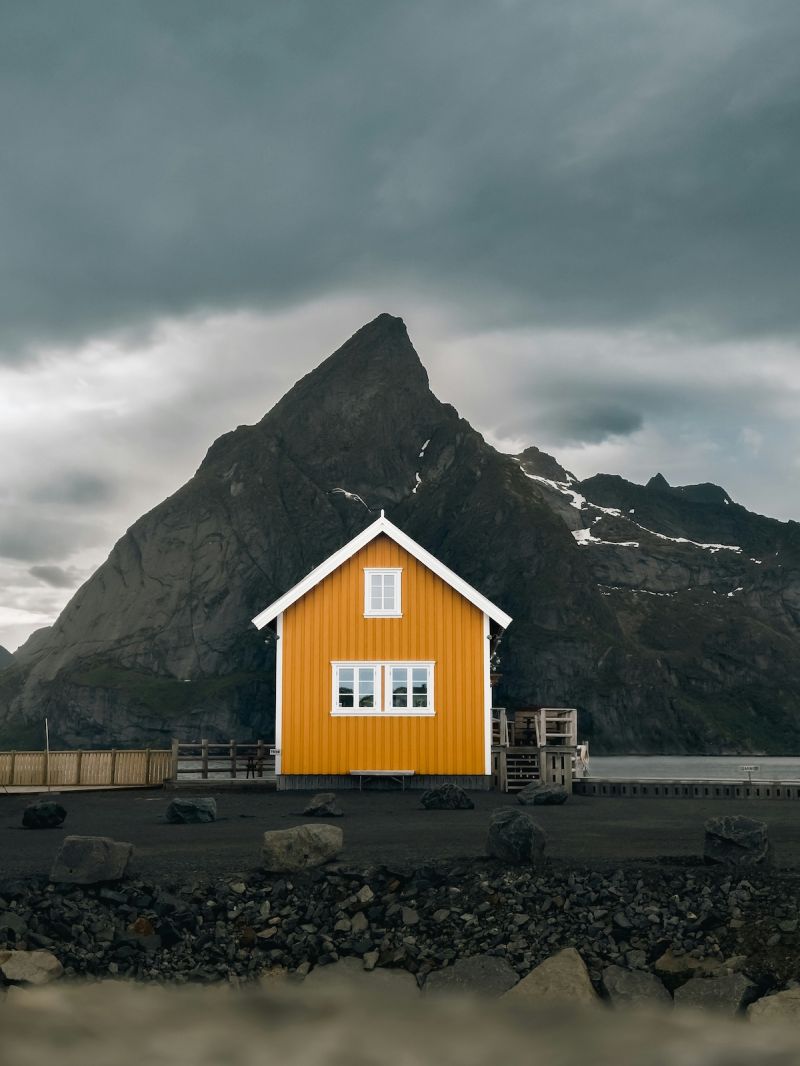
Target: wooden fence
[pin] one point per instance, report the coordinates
(150, 766)
(205, 759)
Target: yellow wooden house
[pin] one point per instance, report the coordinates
(383, 669)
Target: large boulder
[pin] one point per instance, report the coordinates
(324, 805)
(30, 967)
(515, 837)
(726, 995)
(300, 848)
(484, 975)
(563, 978)
(43, 814)
(446, 797)
(734, 840)
(538, 794)
(780, 1007)
(85, 860)
(192, 809)
(634, 988)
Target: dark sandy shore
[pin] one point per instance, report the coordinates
(379, 827)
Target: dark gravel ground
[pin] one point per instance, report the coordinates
(379, 827)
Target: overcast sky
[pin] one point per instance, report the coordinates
(586, 212)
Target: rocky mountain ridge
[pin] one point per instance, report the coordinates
(665, 615)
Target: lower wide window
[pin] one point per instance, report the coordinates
(383, 688)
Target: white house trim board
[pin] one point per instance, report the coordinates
(382, 525)
(487, 694)
(278, 694)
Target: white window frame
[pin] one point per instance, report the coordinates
(397, 610)
(377, 688)
(409, 711)
(382, 673)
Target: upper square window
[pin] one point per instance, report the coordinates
(382, 593)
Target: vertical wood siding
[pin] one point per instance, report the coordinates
(328, 624)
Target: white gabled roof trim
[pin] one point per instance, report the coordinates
(381, 525)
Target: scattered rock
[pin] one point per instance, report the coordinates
(300, 848)
(324, 805)
(515, 837)
(44, 814)
(30, 967)
(446, 797)
(483, 975)
(734, 840)
(12, 923)
(728, 994)
(538, 794)
(634, 987)
(683, 965)
(352, 971)
(192, 810)
(780, 1007)
(83, 860)
(562, 977)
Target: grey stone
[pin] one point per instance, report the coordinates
(301, 847)
(484, 975)
(727, 994)
(634, 987)
(324, 805)
(192, 810)
(446, 797)
(515, 837)
(30, 967)
(85, 860)
(734, 840)
(44, 814)
(780, 1007)
(542, 795)
(563, 978)
(11, 922)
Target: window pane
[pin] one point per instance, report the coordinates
(420, 686)
(388, 592)
(366, 687)
(399, 686)
(346, 684)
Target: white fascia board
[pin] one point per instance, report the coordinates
(381, 525)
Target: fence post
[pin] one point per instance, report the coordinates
(113, 765)
(11, 768)
(260, 758)
(204, 759)
(78, 761)
(233, 758)
(174, 760)
(147, 758)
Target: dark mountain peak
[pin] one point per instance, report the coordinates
(658, 483)
(6, 658)
(539, 463)
(378, 360)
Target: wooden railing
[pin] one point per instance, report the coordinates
(205, 759)
(144, 766)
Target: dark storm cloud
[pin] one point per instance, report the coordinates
(30, 538)
(599, 163)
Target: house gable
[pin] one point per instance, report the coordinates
(381, 526)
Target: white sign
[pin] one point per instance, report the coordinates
(749, 769)
(274, 751)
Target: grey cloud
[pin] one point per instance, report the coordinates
(77, 488)
(55, 576)
(29, 537)
(604, 163)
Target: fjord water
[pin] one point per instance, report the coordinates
(695, 767)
